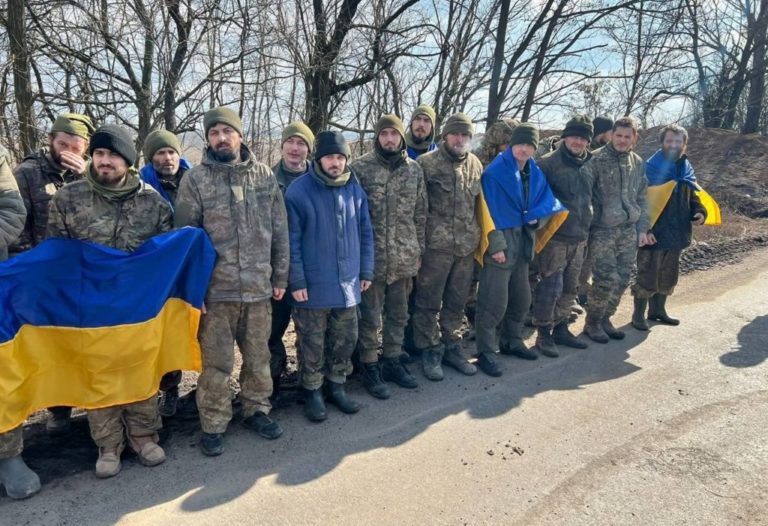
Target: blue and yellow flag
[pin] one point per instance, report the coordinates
(89, 326)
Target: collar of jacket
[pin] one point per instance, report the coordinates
(571, 159)
(320, 176)
(610, 149)
(391, 160)
(246, 159)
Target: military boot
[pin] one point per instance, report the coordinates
(314, 406)
(212, 444)
(58, 423)
(486, 362)
(454, 356)
(545, 343)
(370, 373)
(393, 370)
(638, 315)
(18, 480)
(563, 336)
(169, 401)
(337, 395)
(516, 346)
(149, 454)
(431, 363)
(263, 425)
(658, 310)
(108, 464)
(612, 331)
(593, 328)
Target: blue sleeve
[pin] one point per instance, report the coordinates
(296, 277)
(366, 239)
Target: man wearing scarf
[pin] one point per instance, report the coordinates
(112, 206)
(516, 200)
(658, 264)
(420, 137)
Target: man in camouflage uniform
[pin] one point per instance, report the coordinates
(452, 175)
(620, 224)
(295, 148)
(397, 202)
(15, 476)
(39, 176)
(568, 173)
(112, 206)
(237, 201)
(420, 137)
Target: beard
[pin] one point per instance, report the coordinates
(223, 155)
(673, 154)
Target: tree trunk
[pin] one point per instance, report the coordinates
(22, 85)
(756, 96)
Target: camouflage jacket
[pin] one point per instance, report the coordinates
(78, 211)
(12, 212)
(38, 179)
(241, 208)
(397, 201)
(618, 191)
(452, 190)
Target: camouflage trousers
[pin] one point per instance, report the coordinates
(613, 255)
(11, 443)
(442, 286)
(586, 271)
(327, 341)
(657, 272)
(110, 425)
(389, 302)
(503, 299)
(227, 323)
(281, 318)
(559, 268)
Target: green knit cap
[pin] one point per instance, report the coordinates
(458, 123)
(160, 139)
(579, 126)
(525, 133)
(74, 124)
(300, 130)
(427, 110)
(222, 115)
(390, 120)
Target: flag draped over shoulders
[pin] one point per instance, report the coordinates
(663, 176)
(502, 204)
(90, 326)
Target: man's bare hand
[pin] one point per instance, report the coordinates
(499, 257)
(646, 240)
(300, 295)
(73, 162)
(277, 293)
(365, 284)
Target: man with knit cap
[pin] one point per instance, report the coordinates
(18, 480)
(568, 172)
(295, 149)
(397, 201)
(420, 137)
(237, 201)
(331, 265)
(620, 225)
(39, 176)
(516, 201)
(112, 206)
(452, 176)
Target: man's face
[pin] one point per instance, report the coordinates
(576, 145)
(333, 164)
(225, 141)
(63, 142)
(673, 145)
(604, 138)
(623, 139)
(523, 152)
(458, 143)
(294, 151)
(421, 127)
(110, 167)
(166, 162)
(390, 140)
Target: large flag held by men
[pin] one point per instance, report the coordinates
(89, 326)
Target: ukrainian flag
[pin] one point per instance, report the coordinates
(89, 326)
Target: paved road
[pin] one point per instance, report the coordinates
(663, 428)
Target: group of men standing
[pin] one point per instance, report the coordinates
(359, 253)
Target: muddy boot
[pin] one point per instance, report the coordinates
(430, 363)
(563, 336)
(169, 400)
(212, 444)
(337, 396)
(594, 330)
(658, 310)
(545, 343)
(612, 331)
(393, 370)
(454, 356)
(263, 425)
(108, 464)
(18, 480)
(516, 346)
(486, 362)
(58, 423)
(371, 376)
(638, 315)
(150, 453)
(314, 406)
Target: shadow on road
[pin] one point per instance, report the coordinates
(752, 346)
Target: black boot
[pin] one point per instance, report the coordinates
(314, 406)
(338, 397)
(169, 401)
(658, 310)
(486, 362)
(212, 444)
(638, 316)
(19, 481)
(611, 331)
(516, 346)
(263, 425)
(393, 370)
(371, 376)
(563, 336)
(593, 328)
(545, 343)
